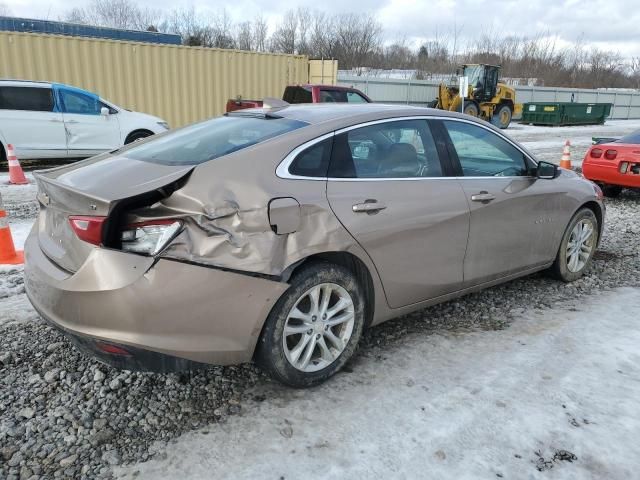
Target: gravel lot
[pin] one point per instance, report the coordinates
(63, 415)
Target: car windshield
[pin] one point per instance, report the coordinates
(631, 138)
(211, 139)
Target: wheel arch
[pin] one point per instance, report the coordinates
(137, 131)
(597, 210)
(352, 263)
(507, 102)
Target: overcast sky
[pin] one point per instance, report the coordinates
(607, 24)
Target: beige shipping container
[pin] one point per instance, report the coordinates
(179, 84)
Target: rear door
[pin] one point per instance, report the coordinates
(88, 132)
(30, 121)
(389, 189)
(515, 217)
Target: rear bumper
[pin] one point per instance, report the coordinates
(167, 314)
(608, 172)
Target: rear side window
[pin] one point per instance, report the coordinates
(211, 139)
(297, 95)
(36, 99)
(76, 102)
(314, 161)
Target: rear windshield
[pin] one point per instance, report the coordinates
(631, 138)
(297, 95)
(214, 138)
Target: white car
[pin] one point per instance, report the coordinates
(52, 120)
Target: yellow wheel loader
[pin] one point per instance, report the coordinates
(487, 98)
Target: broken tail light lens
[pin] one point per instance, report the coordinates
(149, 238)
(596, 152)
(610, 154)
(88, 229)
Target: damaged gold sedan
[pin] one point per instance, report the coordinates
(278, 235)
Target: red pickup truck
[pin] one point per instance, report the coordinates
(307, 94)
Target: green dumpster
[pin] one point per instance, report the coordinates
(558, 113)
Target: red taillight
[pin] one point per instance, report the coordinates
(610, 154)
(596, 152)
(88, 229)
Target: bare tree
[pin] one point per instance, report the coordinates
(5, 11)
(260, 33)
(245, 39)
(123, 14)
(284, 39)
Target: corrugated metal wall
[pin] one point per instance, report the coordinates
(178, 84)
(421, 92)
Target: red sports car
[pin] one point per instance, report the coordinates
(614, 165)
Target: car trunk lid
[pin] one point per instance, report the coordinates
(91, 188)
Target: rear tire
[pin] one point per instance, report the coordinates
(611, 191)
(135, 136)
(576, 248)
(329, 345)
(502, 116)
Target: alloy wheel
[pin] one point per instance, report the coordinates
(580, 245)
(318, 327)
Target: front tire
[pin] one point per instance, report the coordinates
(577, 247)
(502, 116)
(314, 328)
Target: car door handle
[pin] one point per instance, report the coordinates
(71, 121)
(483, 197)
(368, 206)
(55, 120)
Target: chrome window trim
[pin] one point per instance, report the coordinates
(282, 170)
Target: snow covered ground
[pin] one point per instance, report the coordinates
(554, 396)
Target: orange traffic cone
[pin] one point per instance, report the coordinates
(565, 162)
(8, 253)
(16, 175)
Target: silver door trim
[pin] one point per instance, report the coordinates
(282, 170)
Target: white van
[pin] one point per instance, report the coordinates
(52, 120)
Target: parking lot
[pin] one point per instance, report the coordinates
(532, 379)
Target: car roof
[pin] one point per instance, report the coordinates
(317, 113)
(13, 82)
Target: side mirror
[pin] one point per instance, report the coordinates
(547, 170)
(104, 111)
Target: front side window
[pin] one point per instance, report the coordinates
(211, 139)
(35, 99)
(397, 149)
(482, 153)
(76, 102)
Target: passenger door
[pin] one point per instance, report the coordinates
(514, 215)
(29, 121)
(388, 188)
(88, 131)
